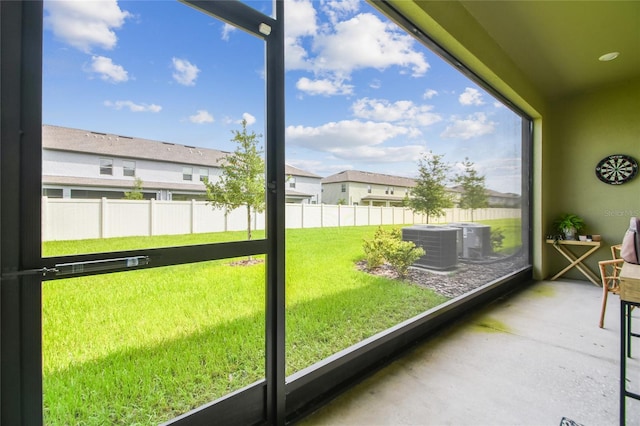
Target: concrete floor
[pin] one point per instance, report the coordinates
(530, 359)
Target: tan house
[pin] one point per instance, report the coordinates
(494, 198)
(354, 187)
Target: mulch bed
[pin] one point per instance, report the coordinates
(465, 277)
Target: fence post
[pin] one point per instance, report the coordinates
(339, 214)
(302, 215)
(103, 217)
(152, 207)
(43, 217)
(193, 216)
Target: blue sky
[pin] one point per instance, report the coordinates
(360, 92)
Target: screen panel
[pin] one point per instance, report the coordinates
(147, 124)
(143, 347)
(411, 154)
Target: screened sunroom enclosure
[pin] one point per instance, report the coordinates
(220, 327)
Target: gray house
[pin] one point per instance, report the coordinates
(87, 164)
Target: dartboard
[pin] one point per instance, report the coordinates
(617, 169)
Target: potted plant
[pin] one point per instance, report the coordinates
(568, 224)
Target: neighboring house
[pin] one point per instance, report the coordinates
(354, 187)
(302, 187)
(501, 199)
(494, 198)
(85, 164)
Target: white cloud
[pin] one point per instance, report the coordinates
(375, 84)
(333, 52)
(429, 93)
(85, 24)
(335, 9)
(346, 133)
(324, 87)
(227, 29)
(249, 118)
(300, 23)
(504, 174)
(185, 72)
(108, 70)
(404, 112)
(473, 126)
(498, 104)
(201, 117)
(379, 154)
(365, 41)
(300, 19)
(133, 107)
(471, 96)
(354, 140)
(507, 166)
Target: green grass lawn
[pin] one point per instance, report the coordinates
(141, 347)
(512, 230)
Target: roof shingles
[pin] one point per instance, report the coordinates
(368, 177)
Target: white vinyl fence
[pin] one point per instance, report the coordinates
(77, 219)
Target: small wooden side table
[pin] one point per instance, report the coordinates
(562, 246)
(629, 297)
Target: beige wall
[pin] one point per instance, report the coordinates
(332, 192)
(583, 129)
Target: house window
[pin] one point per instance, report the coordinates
(106, 166)
(368, 189)
(292, 182)
(392, 189)
(128, 168)
(52, 192)
(187, 173)
(204, 175)
(343, 187)
(386, 191)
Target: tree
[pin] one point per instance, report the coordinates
(474, 193)
(430, 194)
(242, 180)
(136, 191)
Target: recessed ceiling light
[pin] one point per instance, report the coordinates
(609, 56)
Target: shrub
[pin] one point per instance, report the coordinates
(375, 249)
(388, 246)
(373, 253)
(402, 254)
(497, 237)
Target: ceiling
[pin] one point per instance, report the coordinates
(557, 43)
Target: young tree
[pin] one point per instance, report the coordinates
(430, 194)
(474, 195)
(242, 180)
(136, 191)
